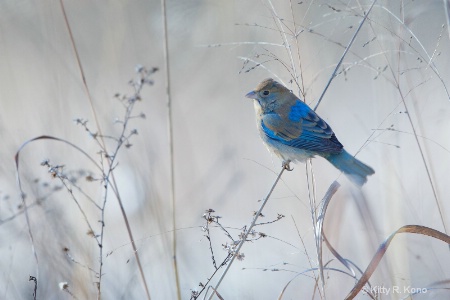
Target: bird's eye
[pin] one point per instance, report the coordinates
(266, 93)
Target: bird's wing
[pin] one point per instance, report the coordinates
(301, 128)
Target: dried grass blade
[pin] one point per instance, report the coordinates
(323, 208)
(417, 229)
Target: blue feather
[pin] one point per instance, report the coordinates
(308, 140)
(350, 166)
(298, 111)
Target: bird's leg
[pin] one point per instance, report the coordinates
(285, 165)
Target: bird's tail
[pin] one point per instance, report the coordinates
(354, 169)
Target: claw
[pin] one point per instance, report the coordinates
(286, 165)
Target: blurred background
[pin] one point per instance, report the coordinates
(389, 103)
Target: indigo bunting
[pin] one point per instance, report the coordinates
(294, 132)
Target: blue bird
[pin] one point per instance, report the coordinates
(294, 132)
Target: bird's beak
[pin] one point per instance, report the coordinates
(251, 95)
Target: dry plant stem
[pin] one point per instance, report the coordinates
(413, 128)
(348, 264)
(312, 206)
(114, 185)
(305, 272)
(383, 248)
(109, 174)
(319, 228)
(344, 54)
(317, 234)
(171, 148)
(27, 218)
(286, 44)
(22, 193)
(249, 229)
(447, 16)
(416, 137)
(69, 189)
(302, 88)
(436, 198)
(428, 58)
(303, 243)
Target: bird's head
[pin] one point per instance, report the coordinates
(269, 94)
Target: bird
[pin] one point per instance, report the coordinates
(294, 132)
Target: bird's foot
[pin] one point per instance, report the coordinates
(286, 165)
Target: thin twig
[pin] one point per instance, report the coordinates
(171, 146)
(413, 35)
(416, 136)
(422, 155)
(302, 88)
(245, 235)
(313, 210)
(447, 15)
(344, 54)
(286, 44)
(114, 184)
